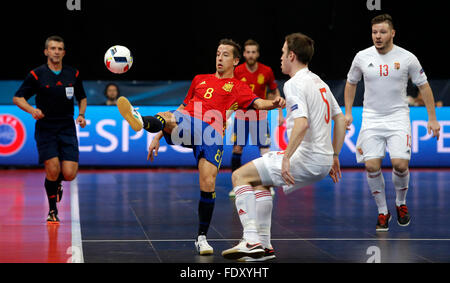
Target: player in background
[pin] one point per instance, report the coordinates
(55, 86)
(201, 119)
(261, 80)
(386, 68)
(310, 156)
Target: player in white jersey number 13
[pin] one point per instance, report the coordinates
(386, 69)
(310, 156)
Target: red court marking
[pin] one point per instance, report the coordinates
(24, 233)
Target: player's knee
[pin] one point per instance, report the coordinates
(372, 168)
(400, 167)
(69, 175)
(167, 116)
(237, 176)
(52, 170)
(208, 183)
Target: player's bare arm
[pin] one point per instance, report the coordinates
(264, 104)
(272, 95)
(349, 97)
(340, 126)
(154, 146)
(298, 133)
(25, 106)
(428, 99)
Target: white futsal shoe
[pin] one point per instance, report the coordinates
(130, 114)
(269, 253)
(244, 249)
(202, 246)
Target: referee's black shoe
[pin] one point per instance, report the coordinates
(52, 217)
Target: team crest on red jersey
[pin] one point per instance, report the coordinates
(261, 79)
(12, 135)
(228, 87)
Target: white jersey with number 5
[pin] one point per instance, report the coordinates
(385, 80)
(309, 97)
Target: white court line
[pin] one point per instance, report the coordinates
(77, 248)
(294, 239)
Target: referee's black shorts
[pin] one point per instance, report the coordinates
(56, 138)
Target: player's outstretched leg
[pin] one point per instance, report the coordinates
(138, 122)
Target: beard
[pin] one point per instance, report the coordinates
(251, 62)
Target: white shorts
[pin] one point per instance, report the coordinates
(269, 169)
(373, 141)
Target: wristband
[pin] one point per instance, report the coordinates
(82, 115)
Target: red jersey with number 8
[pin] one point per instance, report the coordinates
(209, 98)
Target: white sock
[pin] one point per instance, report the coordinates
(246, 208)
(376, 185)
(264, 207)
(401, 181)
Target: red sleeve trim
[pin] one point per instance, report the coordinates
(34, 75)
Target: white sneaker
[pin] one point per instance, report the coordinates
(202, 246)
(243, 249)
(130, 114)
(269, 253)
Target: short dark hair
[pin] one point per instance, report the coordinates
(301, 45)
(54, 38)
(114, 85)
(236, 47)
(251, 42)
(383, 18)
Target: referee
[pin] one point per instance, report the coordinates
(55, 86)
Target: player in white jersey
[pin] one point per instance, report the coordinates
(310, 155)
(386, 68)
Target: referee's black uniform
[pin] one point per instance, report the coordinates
(55, 134)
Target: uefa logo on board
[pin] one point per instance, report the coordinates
(12, 135)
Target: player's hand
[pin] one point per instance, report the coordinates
(348, 120)
(37, 114)
(335, 172)
(154, 146)
(279, 102)
(285, 171)
(433, 125)
(81, 121)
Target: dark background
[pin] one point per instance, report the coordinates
(174, 40)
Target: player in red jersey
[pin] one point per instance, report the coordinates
(199, 124)
(261, 80)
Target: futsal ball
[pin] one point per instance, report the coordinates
(118, 59)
